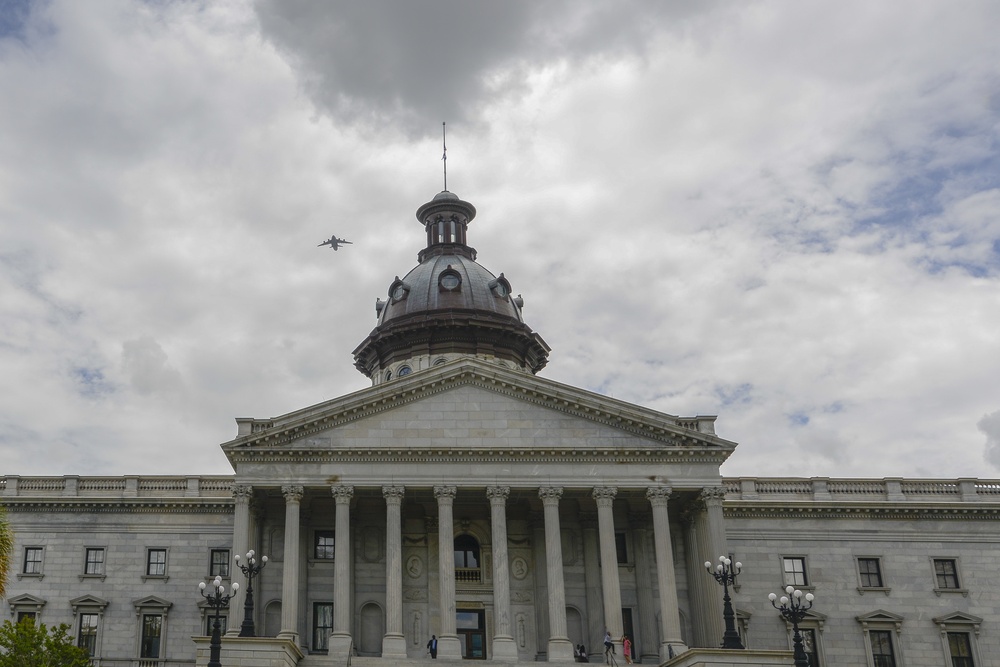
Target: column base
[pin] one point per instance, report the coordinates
(504, 649)
(560, 650)
(671, 649)
(339, 647)
(449, 648)
(394, 646)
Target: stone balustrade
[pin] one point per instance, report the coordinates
(74, 486)
(829, 489)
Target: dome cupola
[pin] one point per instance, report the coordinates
(448, 306)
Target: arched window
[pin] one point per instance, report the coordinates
(467, 559)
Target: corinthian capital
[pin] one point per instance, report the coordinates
(242, 491)
(342, 493)
(292, 493)
(550, 495)
(658, 495)
(445, 493)
(713, 495)
(393, 494)
(605, 495)
(497, 494)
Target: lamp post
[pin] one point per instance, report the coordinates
(725, 573)
(251, 567)
(217, 600)
(794, 610)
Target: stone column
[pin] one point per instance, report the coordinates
(290, 566)
(393, 644)
(340, 637)
(560, 648)
(711, 545)
(700, 596)
(647, 641)
(671, 642)
(592, 582)
(605, 497)
(504, 647)
(448, 644)
(537, 520)
(242, 493)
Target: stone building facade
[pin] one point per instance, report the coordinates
(512, 517)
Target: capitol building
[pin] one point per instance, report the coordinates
(514, 518)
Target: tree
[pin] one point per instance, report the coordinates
(28, 645)
(6, 549)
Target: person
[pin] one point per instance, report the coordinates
(627, 649)
(609, 646)
(432, 646)
(581, 654)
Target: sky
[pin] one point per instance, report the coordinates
(785, 214)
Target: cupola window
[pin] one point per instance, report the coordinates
(450, 280)
(500, 287)
(403, 370)
(398, 290)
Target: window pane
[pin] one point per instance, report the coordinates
(621, 549)
(322, 624)
(947, 573)
(324, 545)
(156, 562)
(152, 624)
(882, 652)
(871, 572)
(210, 624)
(95, 561)
(220, 563)
(961, 649)
(87, 637)
(795, 571)
(809, 646)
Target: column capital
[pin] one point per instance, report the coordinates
(605, 495)
(550, 495)
(497, 494)
(713, 495)
(292, 493)
(341, 493)
(445, 493)
(393, 494)
(242, 491)
(658, 495)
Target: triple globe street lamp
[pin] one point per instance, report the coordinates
(725, 573)
(250, 567)
(218, 600)
(793, 607)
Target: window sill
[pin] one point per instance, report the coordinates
(874, 589)
(157, 577)
(30, 575)
(963, 591)
(102, 577)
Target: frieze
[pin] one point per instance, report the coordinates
(855, 512)
(119, 506)
(414, 594)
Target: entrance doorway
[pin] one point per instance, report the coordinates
(471, 626)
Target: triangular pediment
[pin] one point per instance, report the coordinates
(152, 602)
(25, 600)
(472, 405)
(880, 616)
(958, 618)
(88, 601)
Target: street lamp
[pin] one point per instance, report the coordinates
(794, 610)
(217, 600)
(725, 573)
(251, 568)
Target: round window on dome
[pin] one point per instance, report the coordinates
(388, 375)
(449, 281)
(403, 370)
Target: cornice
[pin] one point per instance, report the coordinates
(641, 422)
(874, 510)
(119, 505)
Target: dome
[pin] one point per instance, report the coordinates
(448, 305)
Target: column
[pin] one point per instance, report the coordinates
(290, 573)
(605, 497)
(560, 648)
(671, 642)
(647, 640)
(504, 647)
(711, 547)
(393, 644)
(448, 644)
(537, 520)
(592, 581)
(242, 493)
(340, 637)
(700, 596)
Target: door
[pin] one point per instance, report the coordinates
(471, 625)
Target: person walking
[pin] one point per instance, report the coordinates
(432, 646)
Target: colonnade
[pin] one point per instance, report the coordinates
(708, 534)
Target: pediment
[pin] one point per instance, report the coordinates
(26, 600)
(87, 601)
(958, 618)
(880, 616)
(152, 602)
(470, 405)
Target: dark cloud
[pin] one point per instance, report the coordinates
(410, 64)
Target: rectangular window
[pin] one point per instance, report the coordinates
(26, 616)
(870, 570)
(156, 562)
(960, 647)
(882, 652)
(94, 562)
(809, 646)
(946, 571)
(794, 568)
(324, 545)
(210, 623)
(621, 548)
(219, 564)
(32, 560)
(322, 625)
(152, 626)
(86, 637)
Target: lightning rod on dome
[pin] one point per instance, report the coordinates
(444, 156)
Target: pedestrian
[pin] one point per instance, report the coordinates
(432, 646)
(627, 649)
(609, 646)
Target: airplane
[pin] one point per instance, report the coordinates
(334, 242)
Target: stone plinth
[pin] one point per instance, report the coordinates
(250, 652)
(717, 657)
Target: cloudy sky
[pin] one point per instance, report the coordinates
(786, 214)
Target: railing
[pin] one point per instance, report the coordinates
(469, 575)
(888, 489)
(117, 487)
